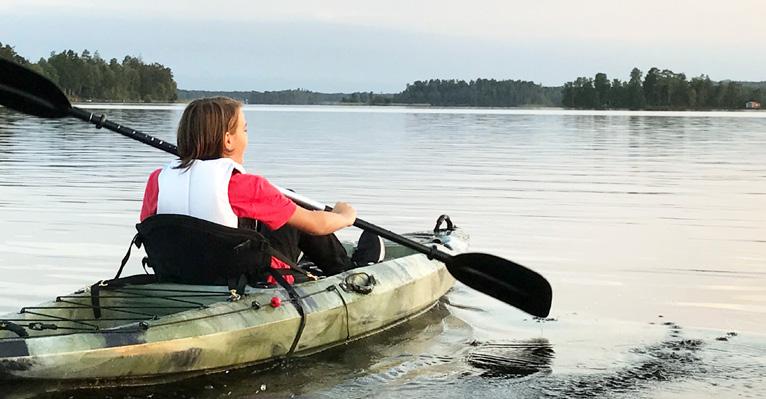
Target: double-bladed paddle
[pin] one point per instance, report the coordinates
(29, 92)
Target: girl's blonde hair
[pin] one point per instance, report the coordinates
(203, 126)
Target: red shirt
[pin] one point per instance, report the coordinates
(250, 196)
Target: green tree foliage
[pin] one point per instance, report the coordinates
(634, 92)
(478, 93)
(86, 76)
(602, 87)
(8, 52)
(367, 98)
(660, 89)
(290, 97)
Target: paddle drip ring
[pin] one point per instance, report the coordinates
(100, 121)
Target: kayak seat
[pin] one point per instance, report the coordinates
(187, 250)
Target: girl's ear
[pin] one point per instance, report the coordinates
(228, 146)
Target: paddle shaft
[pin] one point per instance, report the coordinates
(101, 121)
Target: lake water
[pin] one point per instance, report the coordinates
(651, 228)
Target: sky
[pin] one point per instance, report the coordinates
(380, 46)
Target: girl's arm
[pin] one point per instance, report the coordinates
(322, 223)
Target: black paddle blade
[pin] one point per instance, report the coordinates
(27, 91)
(505, 280)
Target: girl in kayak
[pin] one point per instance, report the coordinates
(209, 182)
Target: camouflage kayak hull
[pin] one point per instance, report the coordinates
(155, 330)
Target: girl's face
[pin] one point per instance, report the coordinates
(235, 143)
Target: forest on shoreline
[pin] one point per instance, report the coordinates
(660, 89)
(86, 76)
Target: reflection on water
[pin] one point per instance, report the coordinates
(511, 359)
(632, 216)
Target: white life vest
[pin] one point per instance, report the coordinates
(201, 191)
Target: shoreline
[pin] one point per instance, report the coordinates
(552, 111)
(426, 105)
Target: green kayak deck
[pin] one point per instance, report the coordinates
(155, 330)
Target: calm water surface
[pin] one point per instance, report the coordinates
(651, 228)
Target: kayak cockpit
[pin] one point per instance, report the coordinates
(128, 304)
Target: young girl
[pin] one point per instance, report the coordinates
(209, 182)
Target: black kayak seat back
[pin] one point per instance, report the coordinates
(187, 250)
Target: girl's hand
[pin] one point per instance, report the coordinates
(347, 211)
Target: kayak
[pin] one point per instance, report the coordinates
(144, 331)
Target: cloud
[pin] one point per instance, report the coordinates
(714, 22)
(339, 45)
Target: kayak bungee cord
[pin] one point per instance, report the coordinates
(52, 319)
(50, 322)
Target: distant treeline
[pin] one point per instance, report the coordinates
(479, 93)
(476, 93)
(288, 97)
(660, 89)
(368, 98)
(87, 76)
